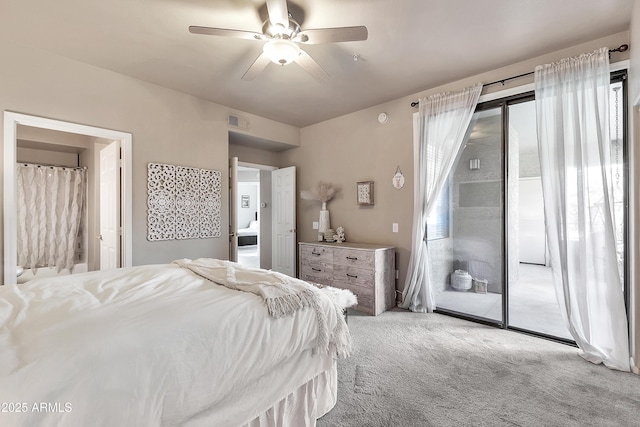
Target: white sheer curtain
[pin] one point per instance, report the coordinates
(443, 120)
(50, 204)
(572, 102)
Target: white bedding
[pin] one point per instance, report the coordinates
(251, 230)
(148, 346)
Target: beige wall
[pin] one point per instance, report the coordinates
(634, 49)
(355, 147)
(47, 136)
(261, 129)
(255, 155)
(167, 127)
(46, 157)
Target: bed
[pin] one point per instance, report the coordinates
(249, 235)
(164, 345)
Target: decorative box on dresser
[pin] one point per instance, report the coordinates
(366, 270)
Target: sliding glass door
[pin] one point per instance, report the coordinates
(468, 260)
(486, 236)
(532, 304)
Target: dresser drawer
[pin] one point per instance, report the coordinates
(353, 257)
(317, 269)
(317, 278)
(353, 276)
(365, 300)
(314, 254)
(364, 293)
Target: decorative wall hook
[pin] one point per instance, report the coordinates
(398, 179)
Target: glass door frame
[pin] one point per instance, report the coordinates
(621, 76)
(484, 106)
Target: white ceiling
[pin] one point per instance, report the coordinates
(413, 45)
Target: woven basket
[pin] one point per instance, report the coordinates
(480, 285)
(461, 280)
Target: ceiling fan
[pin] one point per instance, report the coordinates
(282, 35)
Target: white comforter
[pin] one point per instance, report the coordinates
(147, 346)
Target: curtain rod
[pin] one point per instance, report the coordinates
(51, 166)
(621, 48)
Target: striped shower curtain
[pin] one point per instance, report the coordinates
(50, 208)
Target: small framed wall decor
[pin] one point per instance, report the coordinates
(364, 193)
(244, 201)
(398, 179)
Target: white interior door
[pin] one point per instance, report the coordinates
(284, 220)
(532, 231)
(233, 214)
(110, 206)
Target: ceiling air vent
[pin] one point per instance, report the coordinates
(238, 122)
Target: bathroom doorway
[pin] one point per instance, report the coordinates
(58, 143)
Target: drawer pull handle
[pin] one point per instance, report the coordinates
(315, 269)
(352, 275)
(352, 258)
(315, 253)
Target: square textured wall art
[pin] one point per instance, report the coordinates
(183, 202)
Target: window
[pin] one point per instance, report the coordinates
(438, 219)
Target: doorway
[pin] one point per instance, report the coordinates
(277, 201)
(252, 214)
(15, 125)
(275, 213)
(249, 216)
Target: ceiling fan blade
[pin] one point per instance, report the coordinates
(240, 34)
(278, 13)
(333, 35)
(311, 67)
(256, 68)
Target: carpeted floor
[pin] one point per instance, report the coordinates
(410, 369)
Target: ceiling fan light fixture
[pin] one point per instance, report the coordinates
(281, 52)
(280, 31)
(277, 30)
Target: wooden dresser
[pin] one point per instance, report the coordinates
(366, 270)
